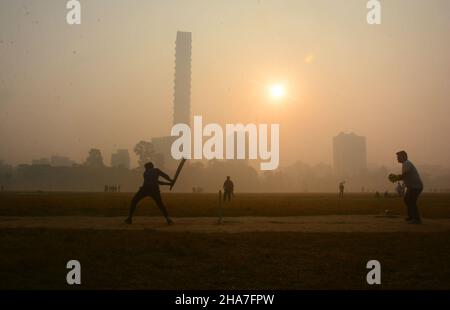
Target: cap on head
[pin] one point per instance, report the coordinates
(149, 165)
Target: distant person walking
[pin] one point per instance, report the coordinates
(228, 189)
(341, 189)
(414, 186)
(150, 188)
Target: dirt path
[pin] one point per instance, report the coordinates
(332, 223)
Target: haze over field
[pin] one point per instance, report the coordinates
(108, 83)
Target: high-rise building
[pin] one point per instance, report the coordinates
(182, 82)
(120, 159)
(181, 96)
(349, 154)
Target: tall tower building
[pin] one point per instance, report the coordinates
(182, 86)
(349, 154)
(181, 98)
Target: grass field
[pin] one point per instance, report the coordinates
(197, 205)
(147, 259)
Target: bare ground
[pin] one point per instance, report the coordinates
(306, 224)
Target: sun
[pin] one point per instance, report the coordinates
(277, 91)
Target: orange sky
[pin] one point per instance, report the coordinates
(108, 83)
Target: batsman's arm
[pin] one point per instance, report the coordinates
(164, 183)
(165, 176)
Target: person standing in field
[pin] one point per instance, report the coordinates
(150, 188)
(228, 189)
(414, 186)
(341, 189)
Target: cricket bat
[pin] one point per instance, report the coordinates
(180, 166)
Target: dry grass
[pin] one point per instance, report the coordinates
(195, 205)
(147, 260)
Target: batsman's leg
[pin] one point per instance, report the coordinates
(137, 197)
(162, 207)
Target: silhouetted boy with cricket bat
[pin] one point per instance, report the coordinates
(150, 188)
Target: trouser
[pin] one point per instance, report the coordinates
(226, 196)
(410, 199)
(141, 194)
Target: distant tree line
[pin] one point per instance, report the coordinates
(206, 176)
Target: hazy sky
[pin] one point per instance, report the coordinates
(108, 83)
